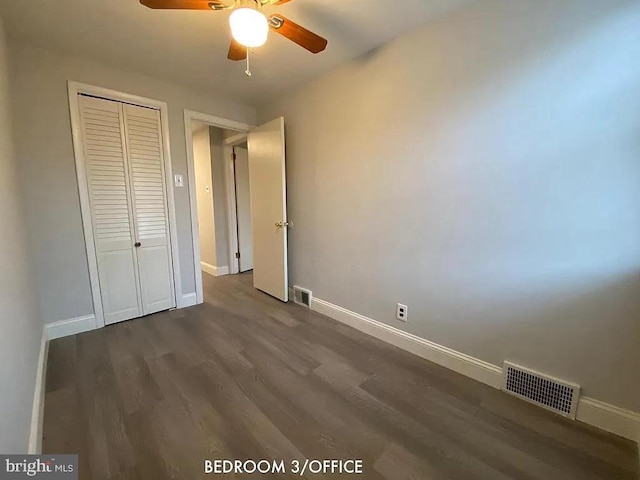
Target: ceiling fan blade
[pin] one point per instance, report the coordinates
(185, 4)
(300, 35)
(236, 51)
(273, 2)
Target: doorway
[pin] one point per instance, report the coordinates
(245, 186)
(223, 198)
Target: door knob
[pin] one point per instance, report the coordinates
(137, 244)
(282, 224)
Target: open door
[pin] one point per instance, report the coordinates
(269, 208)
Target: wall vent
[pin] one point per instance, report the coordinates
(556, 395)
(302, 296)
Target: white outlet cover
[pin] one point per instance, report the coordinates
(402, 312)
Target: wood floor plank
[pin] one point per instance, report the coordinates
(62, 364)
(398, 464)
(138, 389)
(262, 437)
(244, 376)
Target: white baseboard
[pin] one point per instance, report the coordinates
(456, 361)
(593, 412)
(187, 300)
(72, 326)
(213, 270)
(37, 414)
(610, 418)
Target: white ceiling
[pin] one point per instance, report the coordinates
(190, 47)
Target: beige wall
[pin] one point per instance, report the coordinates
(204, 193)
(19, 321)
(484, 170)
(45, 154)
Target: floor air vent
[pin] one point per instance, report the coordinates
(548, 392)
(302, 296)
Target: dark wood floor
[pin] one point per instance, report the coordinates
(246, 377)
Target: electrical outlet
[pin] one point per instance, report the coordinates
(402, 312)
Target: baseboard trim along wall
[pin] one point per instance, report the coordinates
(456, 361)
(37, 415)
(605, 416)
(187, 300)
(610, 418)
(72, 326)
(213, 270)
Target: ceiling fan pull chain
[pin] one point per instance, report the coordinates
(248, 70)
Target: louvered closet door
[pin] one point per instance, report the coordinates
(112, 217)
(149, 198)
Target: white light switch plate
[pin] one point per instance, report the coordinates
(179, 180)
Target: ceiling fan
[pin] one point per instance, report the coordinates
(249, 25)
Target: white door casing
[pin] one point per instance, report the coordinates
(267, 174)
(243, 208)
(123, 160)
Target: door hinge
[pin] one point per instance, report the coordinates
(237, 254)
(234, 156)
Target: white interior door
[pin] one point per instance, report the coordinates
(112, 217)
(243, 208)
(269, 208)
(149, 198)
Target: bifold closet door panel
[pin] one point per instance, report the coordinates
(112, 219)
(146, 167)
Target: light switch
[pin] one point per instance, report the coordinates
(179, 180)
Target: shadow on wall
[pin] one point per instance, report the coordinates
(496, 189)
(562, 327)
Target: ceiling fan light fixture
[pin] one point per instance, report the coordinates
(249, 27)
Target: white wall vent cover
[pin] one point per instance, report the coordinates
(302, 296)
(556, 395)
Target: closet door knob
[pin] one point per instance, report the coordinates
(137, 244)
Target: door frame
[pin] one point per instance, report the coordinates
(74, 89)
(243, 128)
